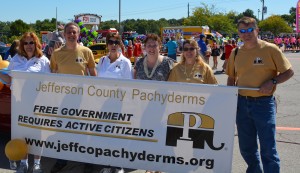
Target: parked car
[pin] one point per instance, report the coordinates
(3, 50)
(99, 50)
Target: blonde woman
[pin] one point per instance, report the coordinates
(192, 68)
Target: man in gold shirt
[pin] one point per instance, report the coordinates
(257, 64)
(72, 58)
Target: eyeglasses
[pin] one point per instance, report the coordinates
(26, 43)
(188, 49)
(111, 42)
(246, 30)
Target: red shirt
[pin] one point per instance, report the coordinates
(228, 48)
(129, 51)
(137, 51)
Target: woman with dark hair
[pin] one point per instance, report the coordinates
(192, 68)
(29, 58)
(115, 64)
(12, 50)
(153, 66)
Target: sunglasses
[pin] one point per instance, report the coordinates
(111, 42)
(246, 30)
(188, 49)
(26, 43)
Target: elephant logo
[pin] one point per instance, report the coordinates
(190, 126)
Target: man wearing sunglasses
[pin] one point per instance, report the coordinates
(259, 66)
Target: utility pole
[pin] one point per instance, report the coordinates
(120, 15)
(258, 13)
(263, 9)
(56, 30)
(188, 9)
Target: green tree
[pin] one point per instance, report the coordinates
(290, 18)
(222, 24)
(200, 17)
(275, 24)
(19, 27)
(4, 31)
(45, 25)
(109, 24)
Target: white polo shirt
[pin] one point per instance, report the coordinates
(121, 68)
(34, 64)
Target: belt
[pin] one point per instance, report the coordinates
(255, 98)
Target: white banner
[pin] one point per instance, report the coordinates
(172, 127)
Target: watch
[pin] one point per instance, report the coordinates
(274, 81)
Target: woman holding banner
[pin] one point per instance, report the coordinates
(153, 66)
(192, 68)
(29, 58)
(114, 65)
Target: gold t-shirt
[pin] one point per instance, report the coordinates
(74, 62)
(255, 66)
(198, 73)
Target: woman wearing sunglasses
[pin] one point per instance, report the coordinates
(115, 64)
(153, 66)
(192, 68)
(29, 58)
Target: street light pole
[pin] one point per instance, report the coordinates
(262, 11)
(258, 13)
(120, 15)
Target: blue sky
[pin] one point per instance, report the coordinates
(31, 10)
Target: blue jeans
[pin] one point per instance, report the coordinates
(256, 119)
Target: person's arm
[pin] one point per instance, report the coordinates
(5, 78)
(134, 73)
(92, 71)
(230, 81)
(267, 87)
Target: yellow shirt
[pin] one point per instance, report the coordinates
(255, 66)
(68, 61)
(200, 73)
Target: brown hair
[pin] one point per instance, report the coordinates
(247, 21)
(113, 35)
(154, 37)
(70, 24)
(193, 43)
(38, 47)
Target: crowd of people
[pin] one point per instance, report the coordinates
(287, 42)
(256, 108)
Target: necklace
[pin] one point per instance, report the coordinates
(146, 67)
(188, 76)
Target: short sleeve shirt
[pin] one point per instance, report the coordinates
(121, 68)
(255, 66)
(75, 62)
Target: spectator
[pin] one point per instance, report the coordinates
(215, 52)
(172, 48)
(12, 51)
(202, 45)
